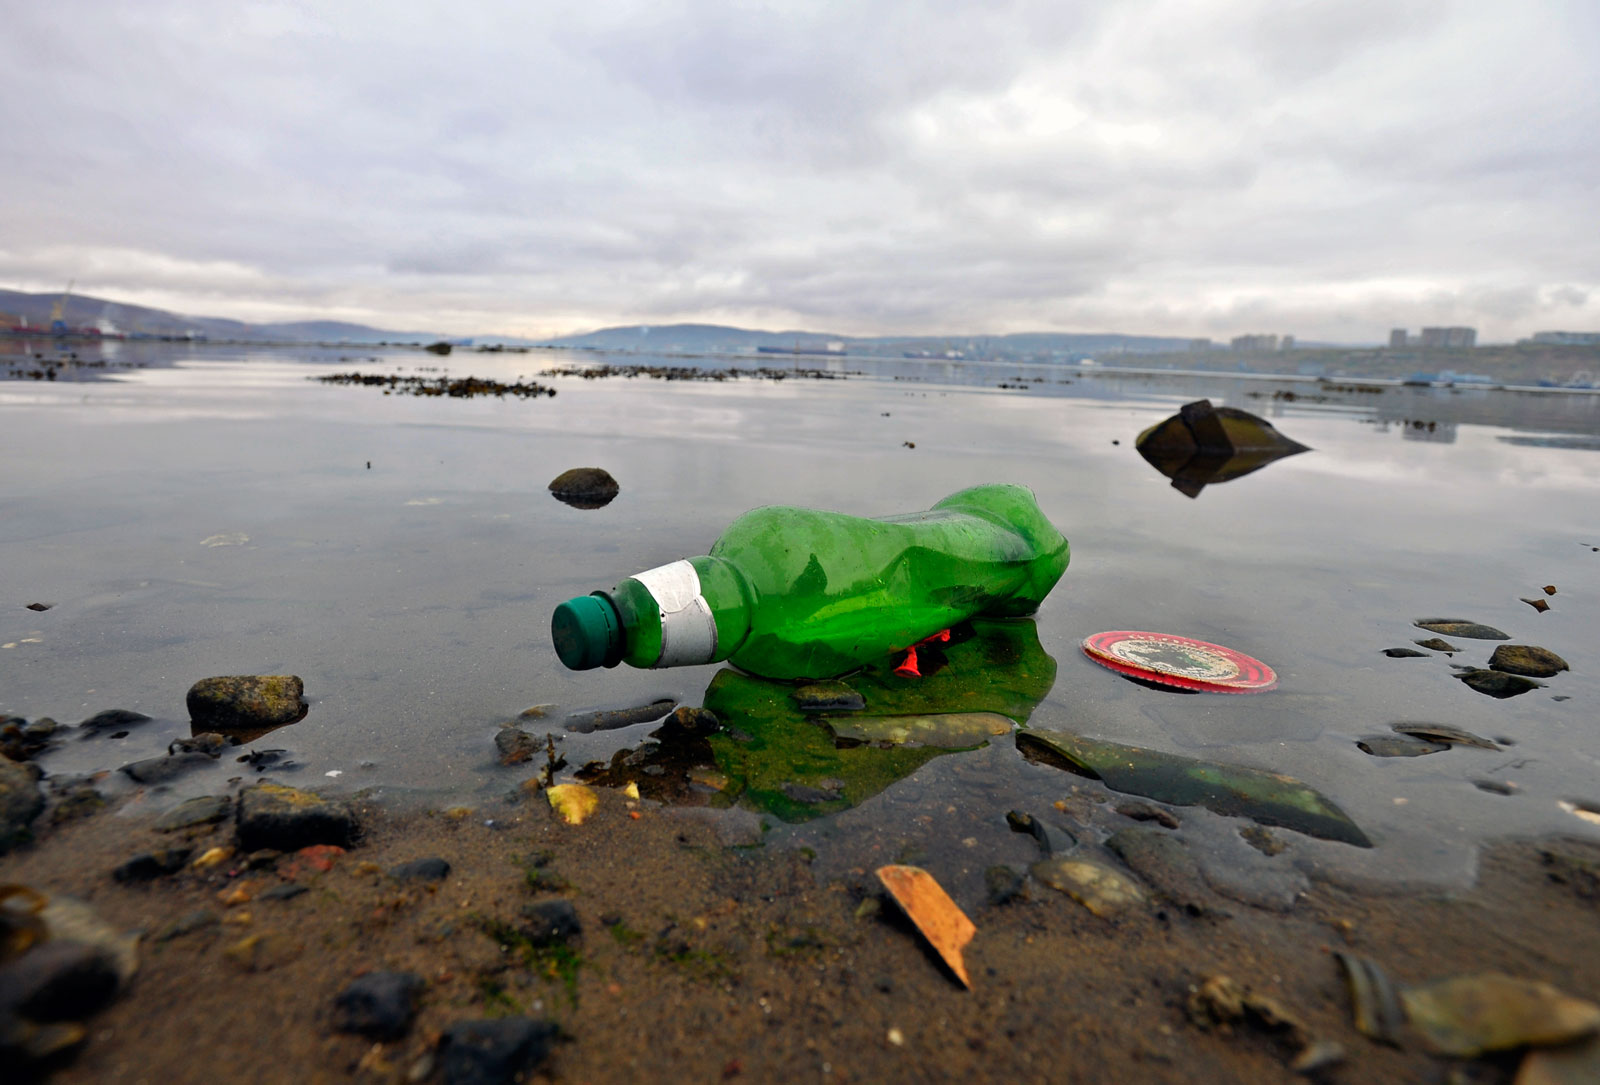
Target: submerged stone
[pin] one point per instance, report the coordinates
(1460, 627)
(1399, 746)
(379, 1005)
(551, 922)
(20, 802)
(158, 770)
(1161, 860)
(1497, 684)
(1444, 732)
(828, 697)
(1231, 790)
(422, 870)
(1095, 886)
(1435, 644)
(112, 719)
(946, 730)
(1403, 653)
(1468, 1015)
(515, 745)
(1527, 659)
(205, 810)
(151, 865)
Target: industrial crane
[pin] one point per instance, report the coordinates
(58, 311)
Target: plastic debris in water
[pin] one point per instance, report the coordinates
(926, 904)
(574, 802)
(1179, 661)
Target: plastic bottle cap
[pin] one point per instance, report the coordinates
(587, 632)
(1172, 660)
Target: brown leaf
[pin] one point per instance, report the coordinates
(942, 923)
(1538, 604)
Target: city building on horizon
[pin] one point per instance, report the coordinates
(1262, 342)
(1434, 338)
(1567, 339)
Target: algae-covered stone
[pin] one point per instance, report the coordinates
(288, 819)
(247, 702)
(585, 487)
(1527, 659)
(1098, 888)
(1461, 627)
(1498, 684)
(20, 802)
(205, 810)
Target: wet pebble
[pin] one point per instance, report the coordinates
(288, 819)
(423, 870)
(1398, 746)
(1437, 644)
(1004, 884)
(159, 770)
(247, 702)
(1403, 653)
(1444, 732)
(188, 923)
(73, 799)
(1144, 811)
(1527, 659)
(493, 1052)
(1467, 1015)
(150, 865)
(378, 1005)
(515, 745)
(207, 742)
(20, 802)
(205, 810)
(1097, 887)
(1460, 627)
(688, 720)
(21, 740)
(287, 891)
(112, 719)
(58, 980)
(1497, 684)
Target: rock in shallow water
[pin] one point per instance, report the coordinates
(1497, 684)
(288, 819)
(1460, 627)
(585, 487)
(247, 702)
(1527, 659)
(205, 810)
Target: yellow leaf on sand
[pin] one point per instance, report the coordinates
(573, 802)
(632, 790)
(942, 923)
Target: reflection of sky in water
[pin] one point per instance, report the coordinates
(414, 596)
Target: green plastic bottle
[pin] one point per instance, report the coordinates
(798, 593)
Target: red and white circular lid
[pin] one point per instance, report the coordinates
(1179, 661)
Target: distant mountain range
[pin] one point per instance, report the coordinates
(83, 311)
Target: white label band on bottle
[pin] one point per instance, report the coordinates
(688, 630)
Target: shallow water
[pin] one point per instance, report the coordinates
(213, 512)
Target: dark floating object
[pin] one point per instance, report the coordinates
(1549, 589)
(1435, 644)
(1266, 798)
(1202, 444)
(1399, 746)
(1497, 683)
(1403, 653)
(440, 348)
(1460, 627)
(40, 606)
(1527, 659)
(1444, 732)
(1538, 604)
(585, 487)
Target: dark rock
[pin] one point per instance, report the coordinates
(551, 922)
(1403, 653)
(150, 865)
(288, 819)
(269, 760)
(205, 810)
(20, 802)
(516, 745)
(187, 923)
(249, 702)
(1460, 627)
(1538, 604)
(495, 1052)
(207, 742)
(1437, 644)
(691, 721)
(828, 697)
(58, 980)
(440, 348)
(74, 799)
(1144, 811)
(426, 870)
(21, 740)
(1004, 884)
(1399, 746)
(1203, 444)
(1527, 659)
(585, 487)
(379, 1005)
(1444, 732)
(42, 607)
(287, 891)
(1161, 859)
(158, 770)
(1498, 683)
(112, 719)
(1049, 841)
(613, 718)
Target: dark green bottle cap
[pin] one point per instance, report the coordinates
(587, 632)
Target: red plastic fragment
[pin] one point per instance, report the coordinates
(908, 666)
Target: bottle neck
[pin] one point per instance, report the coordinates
(686, 613)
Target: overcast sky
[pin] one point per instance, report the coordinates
(1192, 167)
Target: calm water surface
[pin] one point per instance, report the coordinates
(215, 513)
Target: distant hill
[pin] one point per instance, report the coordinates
(86, 311)
(717, 338)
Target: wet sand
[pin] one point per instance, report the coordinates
(700, 961)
